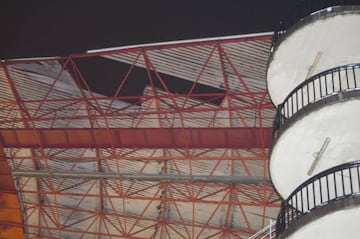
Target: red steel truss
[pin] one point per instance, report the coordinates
(52, 121)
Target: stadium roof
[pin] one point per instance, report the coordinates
(166, 140)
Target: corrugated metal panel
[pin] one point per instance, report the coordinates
(248, 59)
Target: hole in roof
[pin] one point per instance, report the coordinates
(104, 76)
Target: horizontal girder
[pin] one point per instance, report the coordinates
(136, 137)
(147, 177)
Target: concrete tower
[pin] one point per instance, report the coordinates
(314, 80)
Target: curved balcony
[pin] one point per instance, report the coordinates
(320, 86)
(322, 191)
(301, 10)
(320, 41)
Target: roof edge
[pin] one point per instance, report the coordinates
(189, 41)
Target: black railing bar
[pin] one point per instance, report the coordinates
(313, 85)
(326, 85)
(320, 86)
(327, 187)
(320, 189)
(313, 187)
(307, 198)
(302, 97)
(335, 184)
(308, 93)
(351, 183)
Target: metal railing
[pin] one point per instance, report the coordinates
(331, 185)
(267, 232)
(320, 86)
(303, 9)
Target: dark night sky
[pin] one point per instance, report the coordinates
(47, 28)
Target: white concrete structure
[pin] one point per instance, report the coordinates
(296, 149)
(321, 42)
(314, 80)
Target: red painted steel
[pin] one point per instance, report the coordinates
(136, 138)
(10, 214)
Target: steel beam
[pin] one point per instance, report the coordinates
(173, 178)
(136, 137)
(10, 208)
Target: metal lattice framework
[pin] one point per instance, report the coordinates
(184, 158)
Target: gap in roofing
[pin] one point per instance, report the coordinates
(104, 77)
